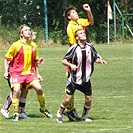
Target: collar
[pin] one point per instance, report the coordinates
(73, 22)
(22, 41)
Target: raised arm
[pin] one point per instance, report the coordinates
(87, 8)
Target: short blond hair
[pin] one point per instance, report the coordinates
(21, 27)
(76, 32)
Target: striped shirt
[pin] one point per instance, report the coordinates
(83, 58)
(22, 57)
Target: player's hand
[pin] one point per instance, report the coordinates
(6, 76)
(39, 77)
(41, 60)
(73, 67)
(101, 61)
(86, 7)
(104, 62)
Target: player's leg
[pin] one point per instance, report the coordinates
(41, 98)
(22, 103)
(69, 93)
(15, 101)
(86, 108)
(87, 90)
(63, 106)
(70, 106)
(71, 112)
(4, 110)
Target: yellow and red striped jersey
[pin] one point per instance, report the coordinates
(73, 26)
(22, 57)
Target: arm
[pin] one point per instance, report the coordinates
(39, 77)
(101, 61)
(87, 8)
(67, 63)
(37, 60)
(6, 76)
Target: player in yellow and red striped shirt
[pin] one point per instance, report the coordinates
(22, 99)
(23, 57)
(75, 23)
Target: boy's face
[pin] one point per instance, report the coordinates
(80, 35)
(73, 15)
(26, 32)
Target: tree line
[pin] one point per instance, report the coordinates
(31, 12)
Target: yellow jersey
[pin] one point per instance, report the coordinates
(73, 26)
(22, 57)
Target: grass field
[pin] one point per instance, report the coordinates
(112, 106)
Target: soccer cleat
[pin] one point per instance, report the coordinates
(85, 118)
(5, 113)
(59, 119)
(73, 116)
(15, 117)
(46, 113)
(23, 115)
(70, 115)
(76, 115)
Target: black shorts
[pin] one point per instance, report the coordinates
(86, 88)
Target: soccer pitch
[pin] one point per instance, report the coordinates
(112, 99)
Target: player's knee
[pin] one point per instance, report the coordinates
(88, 99)
(67, 101)
(16, 93)
(39, 90)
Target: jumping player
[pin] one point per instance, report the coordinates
(74, 23)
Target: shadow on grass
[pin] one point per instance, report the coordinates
(81, 120)
(35, 116)
(97, 118)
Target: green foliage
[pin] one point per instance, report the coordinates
(111, 101)
(9, 34)
(31, 12)
(18, 12)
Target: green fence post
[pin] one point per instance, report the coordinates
(122, 28)
(114, 21)
(46, 21)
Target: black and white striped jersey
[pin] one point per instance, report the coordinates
(84, 58)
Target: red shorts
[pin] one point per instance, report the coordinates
(23, 80)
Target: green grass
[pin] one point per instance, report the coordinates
(112, 105)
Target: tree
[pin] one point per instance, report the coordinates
(31, 12)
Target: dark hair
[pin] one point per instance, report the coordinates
(67, 12)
